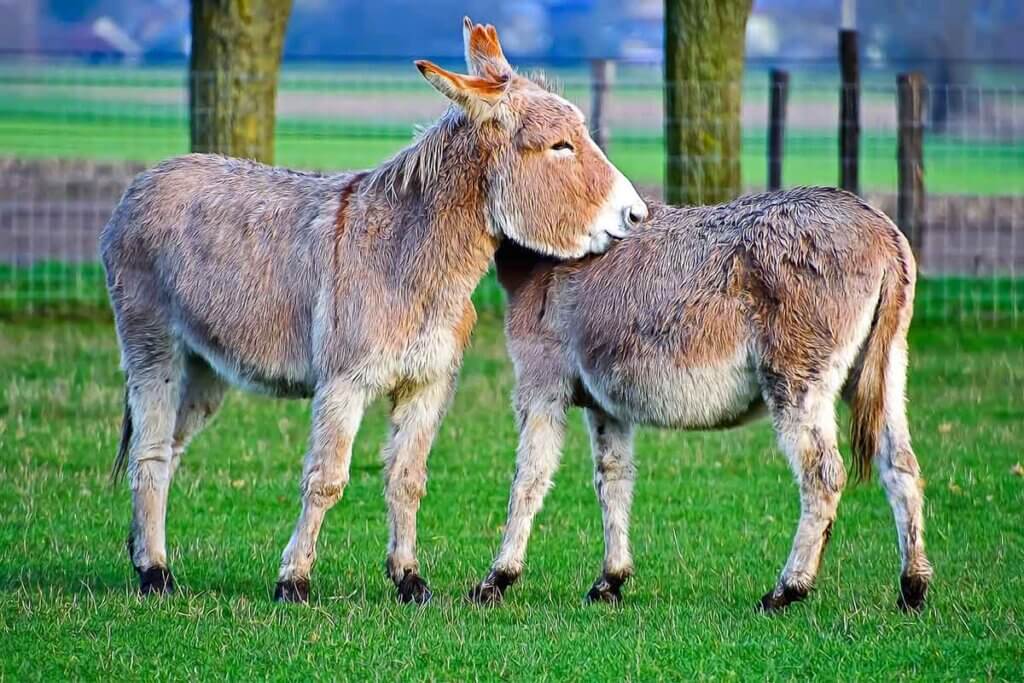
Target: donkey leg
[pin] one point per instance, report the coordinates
(153, 390)
(201, 396)
(542, 429)
(415, 416)
(808, 438)
(900, 476)
(337, 411)
(614, 472)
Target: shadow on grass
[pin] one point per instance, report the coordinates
(122, 581)
(64, 580)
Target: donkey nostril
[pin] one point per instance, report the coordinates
(636, 214)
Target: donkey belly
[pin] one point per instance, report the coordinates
(254, 358)
(666, 395)
(262, 378)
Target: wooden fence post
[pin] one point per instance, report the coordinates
(849, 112)
(602, 73)
(776, 125)
(910, 157)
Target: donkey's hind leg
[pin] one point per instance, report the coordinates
(900, 476)
(201, 396)
(153, 365)
(614, 472)
(806, 429)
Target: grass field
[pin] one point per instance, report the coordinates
(714, 515)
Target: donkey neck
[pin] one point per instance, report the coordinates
(440, 241)
(516, 266)
(529, 283)
(456, 246)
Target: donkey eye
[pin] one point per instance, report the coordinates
(563, 145)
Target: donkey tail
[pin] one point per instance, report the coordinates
(892, 319)
(121, 461)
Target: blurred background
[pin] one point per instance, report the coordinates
(93, 91)
(951, 35)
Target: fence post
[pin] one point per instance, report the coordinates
(849, 112)
(778, 97)
(910, 158)
(602, 73)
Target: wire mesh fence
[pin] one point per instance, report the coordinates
(72, 136)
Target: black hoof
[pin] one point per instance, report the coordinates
(155, 581)
(491, 591)
(780, 598)
(607, 589)
(412, 588)
(486, 594)
(292, 590)
(913, 590)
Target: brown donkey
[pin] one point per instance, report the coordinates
(701, 320)
(341, 288)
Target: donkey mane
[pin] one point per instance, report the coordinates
(542, 80)
(419, 164)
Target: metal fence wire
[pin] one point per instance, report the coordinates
(72, 136)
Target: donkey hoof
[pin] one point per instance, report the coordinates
(292, 590)
(607, 589)
(491, 591)
(913, 590)
(155, 581)
(412, 588)
(780, 598)
(485, 593)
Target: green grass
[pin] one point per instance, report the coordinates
(714, 514)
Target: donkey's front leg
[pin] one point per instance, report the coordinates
(337, 410)
(415, 416)
(614, 472)
(541, 431)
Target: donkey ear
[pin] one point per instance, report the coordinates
(478, 96)
(483, 50)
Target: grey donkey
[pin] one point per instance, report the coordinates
(341, 288)
(706, 318)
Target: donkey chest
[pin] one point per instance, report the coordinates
(429, 355)
(429, 352)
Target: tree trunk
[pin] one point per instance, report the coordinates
(236, 54)
(704, 48)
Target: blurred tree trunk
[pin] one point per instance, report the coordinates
(236, 54)
(704, 49)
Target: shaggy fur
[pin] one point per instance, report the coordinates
(341, 288)
(704, 319)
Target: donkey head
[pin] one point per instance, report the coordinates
(547, 185)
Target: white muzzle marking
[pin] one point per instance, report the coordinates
(622, 211)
